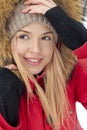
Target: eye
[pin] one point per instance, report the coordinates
(24, 36)
(46, 38)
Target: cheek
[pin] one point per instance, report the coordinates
(16, 49)
(49, 52)
(21, 49)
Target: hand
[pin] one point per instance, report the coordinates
(38, 6)
(11, 67)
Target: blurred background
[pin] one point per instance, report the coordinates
(84, 4)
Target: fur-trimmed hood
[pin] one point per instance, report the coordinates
(71, 7)
(6, 8)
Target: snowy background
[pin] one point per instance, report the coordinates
(82, 115)
(84, 5)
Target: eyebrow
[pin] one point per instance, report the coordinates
(48, 32)
(30, 32)
(24, 31)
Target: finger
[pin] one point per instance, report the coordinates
(11, 67)
(26, 9)
(37, 9)
(28, 2)
(47, 3)
(37, 2)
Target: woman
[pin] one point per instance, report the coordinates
(44, 65)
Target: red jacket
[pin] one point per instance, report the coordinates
(34, 117)
(81, 52)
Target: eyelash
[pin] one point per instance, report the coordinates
(46, 38)
(24, 36)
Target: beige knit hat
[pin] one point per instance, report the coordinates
(19, 20)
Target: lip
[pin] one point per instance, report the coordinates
(33, 61)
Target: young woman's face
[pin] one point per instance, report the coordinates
(35, 45)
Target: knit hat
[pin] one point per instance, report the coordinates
(18, 20)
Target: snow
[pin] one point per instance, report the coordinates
(85, 24)
(85, 21)
(82, 115)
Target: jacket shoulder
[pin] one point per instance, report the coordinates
(80, 82)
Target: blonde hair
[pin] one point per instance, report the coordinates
(54, 98)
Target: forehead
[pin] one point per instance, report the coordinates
(37, 27)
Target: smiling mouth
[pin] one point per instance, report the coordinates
(33, 61)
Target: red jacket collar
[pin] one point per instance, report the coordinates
(39, 79)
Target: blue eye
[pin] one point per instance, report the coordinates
(24, 36)
(46, 38)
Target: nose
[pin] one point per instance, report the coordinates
(35, 46)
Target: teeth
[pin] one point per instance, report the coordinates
(34, 60)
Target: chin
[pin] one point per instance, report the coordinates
(37, 72)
